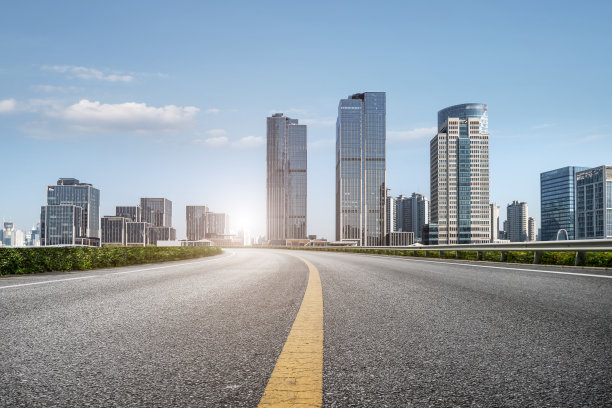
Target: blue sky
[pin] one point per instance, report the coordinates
(170, 98)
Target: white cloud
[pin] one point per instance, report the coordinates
(88, 73)
(213, 141)
(412, 135)
(8, 106)
(96, 117)
(216, 132)
(213, 111)
(55, 89)
(248, 141)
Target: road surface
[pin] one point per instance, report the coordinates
(396, 332)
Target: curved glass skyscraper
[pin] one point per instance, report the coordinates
(459, 170)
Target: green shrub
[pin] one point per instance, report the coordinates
(558, 258)
(419, 253)
(469, 255)
(602, 259)
(494, 256)
(520, 256)
(44, 259)
(433, 254)
(448, 254)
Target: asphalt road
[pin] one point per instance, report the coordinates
(397, 332)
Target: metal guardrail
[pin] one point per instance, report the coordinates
(587, 245)
(580, 247)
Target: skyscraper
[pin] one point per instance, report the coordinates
(518, 222)
(412, 214)
(594, 203)
(361, 169)
(459, 175)
(286, 178)
(131, 212)
(114, 230)
(195, 220)
(558, 202)
(531, 229)
(72, 214)
(217, 225)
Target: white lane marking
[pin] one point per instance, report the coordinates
(51, 281)
(172, 266)
(117, 273)
(494, 267)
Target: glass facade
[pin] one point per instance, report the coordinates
(217, 224)
(286, 178)
(557, 201)
(156, 211)
(71, 191)
(136, 233)
(195, 222)
(361, 169)
(594, 203)
(113, 230)
(155, 234)
(132, 212)
(60, 224)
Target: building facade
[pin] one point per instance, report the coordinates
(558, 203)
(156, 211)
(494, 221)
(131, 212)
(286, 178)
(531, 229)
(361, 169)
(594, 203)
(217, 225)
(391, 209)
(518, 222)
(58, 216)
(459, 175)
(114, 230)
(412, 214)
(195, 222)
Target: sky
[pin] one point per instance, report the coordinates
(170, 99)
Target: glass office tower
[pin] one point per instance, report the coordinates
(156, 211)
(62, 223)
(361, 169)
(195, 220)
(459, 175)
(286, 178)
(594, 203)
(558, 202)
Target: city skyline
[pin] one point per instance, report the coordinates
(63, 97)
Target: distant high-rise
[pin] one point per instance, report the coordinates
(286, 178)
(459, 175)
(156, 211)
(114, 230)
(72, 214)
(594, 203)
(531, 229)
(494, 222)
(131, 212)
(217, 225)
(518, 222)
(361, 169)
(195, 222)
(391, 221)
(558, 202)
(412, 214)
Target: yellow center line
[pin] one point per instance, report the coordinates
(297, 378)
